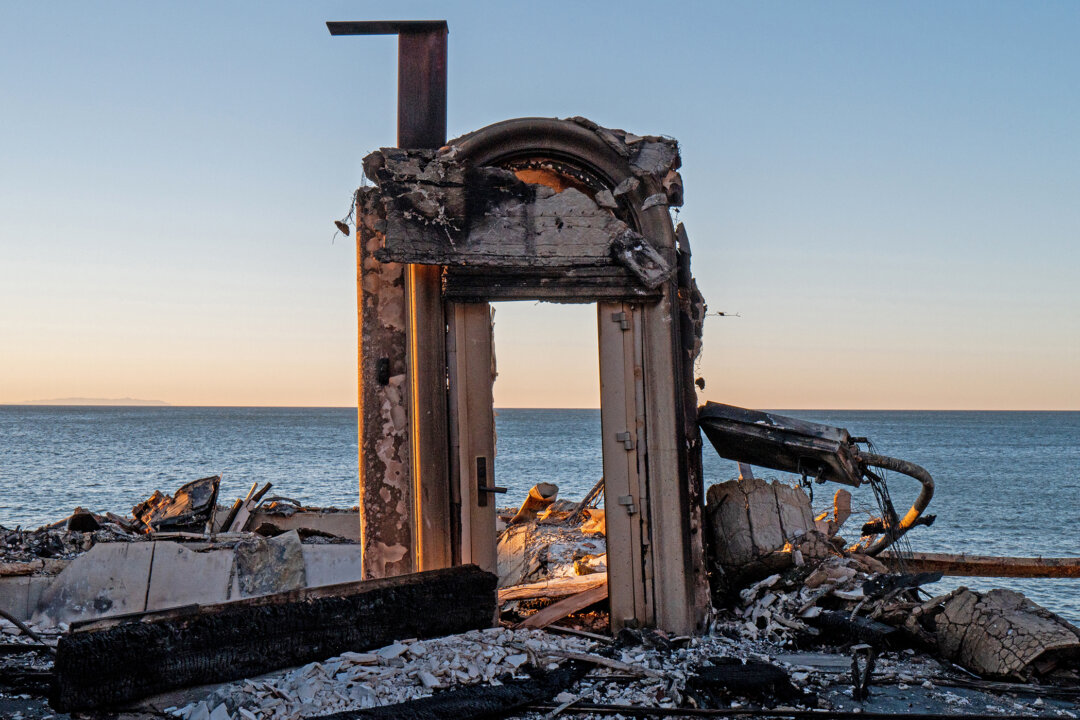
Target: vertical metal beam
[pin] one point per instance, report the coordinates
(422, 89)
(422, 124)
(409, 511)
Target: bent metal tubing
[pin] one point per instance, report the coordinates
(910, 469)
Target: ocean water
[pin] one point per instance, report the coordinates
(1008, 483)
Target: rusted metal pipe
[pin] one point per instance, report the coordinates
(892, 534)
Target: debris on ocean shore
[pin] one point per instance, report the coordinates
(803, 621)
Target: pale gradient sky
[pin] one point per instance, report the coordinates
(886, 193)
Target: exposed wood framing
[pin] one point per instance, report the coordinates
(557, 611)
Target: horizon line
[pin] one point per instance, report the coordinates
(162, 405)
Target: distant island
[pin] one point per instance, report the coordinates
(95, 401)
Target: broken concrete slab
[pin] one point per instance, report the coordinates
(14, 593)
(340, 523)
(181, 576)
(270, 566)
(751, 518)
(120, 578)
(111, 578)
(332, 564)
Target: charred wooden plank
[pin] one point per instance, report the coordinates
(988, 566)
(162, 651)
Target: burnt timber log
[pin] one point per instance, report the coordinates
(105, 664)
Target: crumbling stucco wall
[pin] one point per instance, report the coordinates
(386, 486)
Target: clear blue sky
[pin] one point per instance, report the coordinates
(886, 193)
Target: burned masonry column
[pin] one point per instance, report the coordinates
(383, 420)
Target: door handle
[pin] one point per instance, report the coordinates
(482, 487)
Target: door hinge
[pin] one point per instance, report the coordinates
(622, 318)
(626, 439)
(628, 502)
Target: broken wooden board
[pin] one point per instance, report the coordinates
(191, 508)
(574, 603)
(107, 663)
(555, 587)
(987, 565)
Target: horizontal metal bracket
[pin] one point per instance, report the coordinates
(628, 502)
(623, 319)
(626, 439)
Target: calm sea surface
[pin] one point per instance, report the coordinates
(1008, 483)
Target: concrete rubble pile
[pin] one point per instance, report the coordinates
(825, 590)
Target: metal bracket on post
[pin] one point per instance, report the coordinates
(626, 439)
(623, 319)
(627, 501)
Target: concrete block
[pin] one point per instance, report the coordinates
(13, 595)
(512, 562)
(37, 586)
(180, 576)
(343, 523)
(110, 579)
(265, 567)
(332, 564)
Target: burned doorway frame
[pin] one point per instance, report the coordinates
(648, 405)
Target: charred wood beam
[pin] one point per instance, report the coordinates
(562, 285)
(152, 653)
